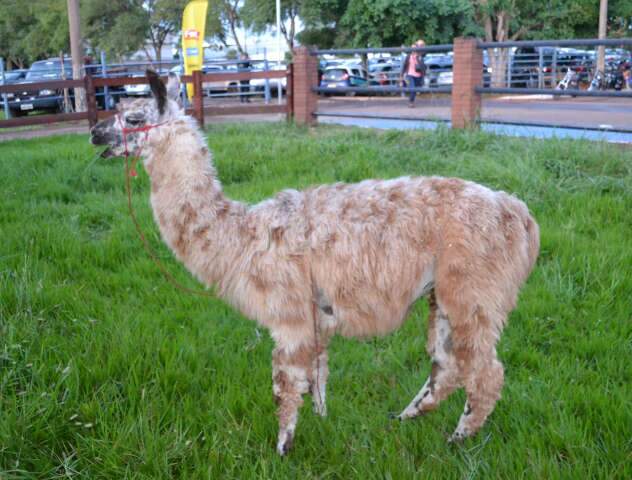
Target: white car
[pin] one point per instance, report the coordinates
(140, 90)
(259, 84)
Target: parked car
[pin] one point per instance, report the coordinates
(218, 86)
(138, 90)
(259, 84)
(46, 99)
(14, 76)
(525, 70)
(580, 61)
(384, 74)
(344, 76)
(438, 70)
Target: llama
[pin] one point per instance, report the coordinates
(349, 259)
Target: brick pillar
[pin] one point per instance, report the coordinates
(468, 74)
(305, 76)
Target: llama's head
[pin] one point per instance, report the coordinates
(161, 107)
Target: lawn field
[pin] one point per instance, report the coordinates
(107, 371)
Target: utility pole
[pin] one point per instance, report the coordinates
(603, 27)
(76, 51)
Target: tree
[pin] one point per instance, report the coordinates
(259, 15)
(367, 23)
(163, 17)
(32, 31)
(508, 20)
(117, 27)
(322, 23)
(223, 20)
(121, 27)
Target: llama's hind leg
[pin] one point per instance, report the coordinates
(483, 383)
(444, 375)
(291, 374)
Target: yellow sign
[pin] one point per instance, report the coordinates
(193, 25)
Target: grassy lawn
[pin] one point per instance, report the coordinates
(106, 371)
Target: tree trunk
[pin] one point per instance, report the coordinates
(498, 57)
(498, 60)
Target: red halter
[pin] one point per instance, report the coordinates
(136, 155)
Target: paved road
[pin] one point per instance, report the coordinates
(577, 112)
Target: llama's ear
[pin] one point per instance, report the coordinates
(158, 89)
(173, 87)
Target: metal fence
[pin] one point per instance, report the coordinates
(559, 67)
(531, 66)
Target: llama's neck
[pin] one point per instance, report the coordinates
(196, 220)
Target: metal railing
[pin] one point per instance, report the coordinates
(550, 67)
(375, 81)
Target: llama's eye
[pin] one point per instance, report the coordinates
(134, 120)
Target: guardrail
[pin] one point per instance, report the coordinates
(198, 109)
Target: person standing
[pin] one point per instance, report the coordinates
(244, 85)
(414, 70)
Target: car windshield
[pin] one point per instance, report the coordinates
(335, 74)
(10, 76)
(49, 69)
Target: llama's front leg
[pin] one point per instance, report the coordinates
(291, 372)
(318, 386)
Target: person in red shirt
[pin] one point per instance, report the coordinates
(414, 70)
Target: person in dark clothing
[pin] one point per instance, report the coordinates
(244, 85)
(414, 71)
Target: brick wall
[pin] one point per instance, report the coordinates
(305, 76)
(467, 75)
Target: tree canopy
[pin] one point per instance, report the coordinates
(31, 31)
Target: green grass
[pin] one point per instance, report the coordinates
(106, 371)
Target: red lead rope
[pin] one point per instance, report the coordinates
(131, 172)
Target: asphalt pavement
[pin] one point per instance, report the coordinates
(588, 113)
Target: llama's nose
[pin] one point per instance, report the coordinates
(96, 137)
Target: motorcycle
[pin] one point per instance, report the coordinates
(597, 82)
(613, 79)
(569, 82)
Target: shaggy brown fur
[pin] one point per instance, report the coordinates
(355, 256)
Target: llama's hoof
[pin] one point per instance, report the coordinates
(320, 410)
(410, 413)
(458, 436)
(285, 443)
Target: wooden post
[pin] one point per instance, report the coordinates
(289, 95)
(91, 100)
(198, 97)
(468, 74)
(305, 76)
